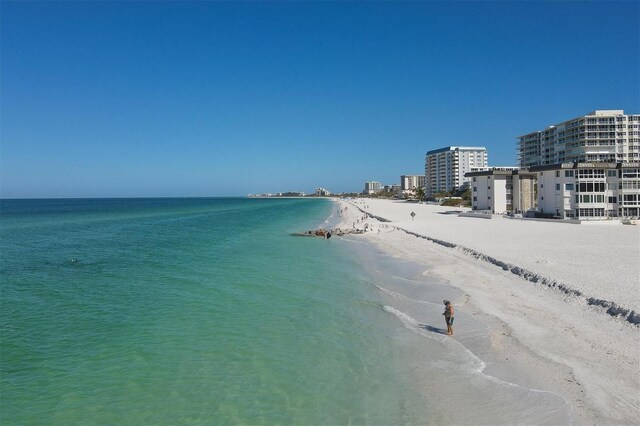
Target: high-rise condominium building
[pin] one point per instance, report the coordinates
(445, 168)
(372, 187)
(412, 182)
(601, 135)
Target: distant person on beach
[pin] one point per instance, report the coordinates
(448, 316)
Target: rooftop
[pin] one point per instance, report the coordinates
(457, 148)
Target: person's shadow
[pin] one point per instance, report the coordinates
(433, 329)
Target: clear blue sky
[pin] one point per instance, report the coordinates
(108, 99)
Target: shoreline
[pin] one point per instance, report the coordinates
(536, 339)
(612, 308)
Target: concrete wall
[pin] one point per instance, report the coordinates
(480, 194)
(498, 185)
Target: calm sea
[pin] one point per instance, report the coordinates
(176, 311)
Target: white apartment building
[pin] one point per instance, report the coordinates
(372, 187)
(503, 190)
(445, 168)
(412, 182)
(589, 190)
(601, 135)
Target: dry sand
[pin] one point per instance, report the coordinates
(544, 334)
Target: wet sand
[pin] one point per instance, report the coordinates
(520, 354)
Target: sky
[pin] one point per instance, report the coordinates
(143, 99)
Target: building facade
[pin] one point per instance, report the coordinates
(589, 190)
(601, 135)
(445, 168)
(392, 188)
(503, 190)
(372, 187)
(412, 182)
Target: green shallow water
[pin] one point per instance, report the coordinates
(175, 311)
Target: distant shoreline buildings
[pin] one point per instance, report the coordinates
(372, 187)
(445, 168)
(585, 168)
(412, 182)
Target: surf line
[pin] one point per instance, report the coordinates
(479, 365)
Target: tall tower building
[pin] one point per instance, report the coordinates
(445, 167)
(601, 135)
(372, 187)
(411, 182)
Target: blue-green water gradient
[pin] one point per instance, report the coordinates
(175, 311)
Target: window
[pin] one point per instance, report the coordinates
(557, 173)
(630, 173)
(557, 187)
(591, 187)
(475, 198)
(568, 173)
(475, 189)
(613, 200)
(568, 187)
(590, 212)
(591, 173)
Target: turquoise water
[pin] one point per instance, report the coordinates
(176, 311)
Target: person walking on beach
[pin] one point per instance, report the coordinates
(448, 316)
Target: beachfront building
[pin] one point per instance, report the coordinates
(372, 187)
(601, 135)
(595, 190)
(503, 190)
(445, 168)
(412, 182)
(322, 192)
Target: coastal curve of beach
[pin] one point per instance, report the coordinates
(557, 303)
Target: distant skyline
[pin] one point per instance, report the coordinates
(125, 99)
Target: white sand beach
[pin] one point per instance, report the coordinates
(561, 305)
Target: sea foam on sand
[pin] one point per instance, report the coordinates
(543, 331)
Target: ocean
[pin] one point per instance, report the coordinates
(193, 311)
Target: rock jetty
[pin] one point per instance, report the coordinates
(328, 233)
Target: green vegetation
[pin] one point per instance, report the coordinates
(455, 197)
